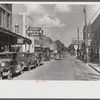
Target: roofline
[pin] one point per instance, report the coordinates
(14, 34)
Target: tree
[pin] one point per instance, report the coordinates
(71, 47)
(60, 46)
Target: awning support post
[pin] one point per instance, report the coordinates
(25, 48)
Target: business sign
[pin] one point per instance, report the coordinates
(34, 28)
(32, 31)
(55, 51)
(77, 41)
(51, 47)
(75, 47)
(89, 42)
(20, 41)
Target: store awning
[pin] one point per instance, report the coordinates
(17, 36)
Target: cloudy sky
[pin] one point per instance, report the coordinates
(60, 20)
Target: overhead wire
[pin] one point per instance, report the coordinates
(94, 15)
(90, 19)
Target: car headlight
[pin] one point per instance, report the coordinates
(3, 64)
(35, 54)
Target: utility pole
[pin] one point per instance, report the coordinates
(86, 34)
(78, 36)
(78, 40)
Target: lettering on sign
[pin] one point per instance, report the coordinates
(34, 31)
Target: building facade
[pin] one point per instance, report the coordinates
(23, 21)
(93, 31)
(6, 16)
(8, 38)
(95, 35)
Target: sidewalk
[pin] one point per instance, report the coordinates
(95, 67)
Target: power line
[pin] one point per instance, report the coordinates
(94, 15)
(90, 19)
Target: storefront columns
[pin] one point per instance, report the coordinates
(99, 53)
(25, 47)
(29, 47)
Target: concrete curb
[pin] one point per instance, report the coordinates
(91, 67)
(94, 68)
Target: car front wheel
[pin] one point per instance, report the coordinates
(10, 76)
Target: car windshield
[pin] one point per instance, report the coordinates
(21, 55)
(6, 56)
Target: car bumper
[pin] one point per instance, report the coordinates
(17, 71)
(5, 73)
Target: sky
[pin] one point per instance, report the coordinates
(59, 21)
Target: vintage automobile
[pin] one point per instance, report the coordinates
(30, 61)
(46, 57)
(10, 63)
(38, 58)
(57, 56)
(15, 62)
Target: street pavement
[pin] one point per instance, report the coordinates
(69, 68)
(95, 66)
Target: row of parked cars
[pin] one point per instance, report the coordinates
(16, 62)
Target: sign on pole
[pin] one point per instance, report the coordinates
(75, 47)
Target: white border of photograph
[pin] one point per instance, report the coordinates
(50, 89)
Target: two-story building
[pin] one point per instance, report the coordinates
(8, 39)
(22, 21)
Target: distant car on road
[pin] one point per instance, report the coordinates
(57, 56)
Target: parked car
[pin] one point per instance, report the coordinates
(10, 63)
(46, 57)
(39, 58)
(15, 62)
(30, 60)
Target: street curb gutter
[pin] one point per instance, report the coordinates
(94, 68)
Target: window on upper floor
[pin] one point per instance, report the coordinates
(8, 20)
(3, 18)
(0, 16)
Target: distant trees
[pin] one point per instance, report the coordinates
(71, 47)
(60, 46)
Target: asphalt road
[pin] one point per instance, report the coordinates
(68, 68)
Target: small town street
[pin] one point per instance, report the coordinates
(68, 68)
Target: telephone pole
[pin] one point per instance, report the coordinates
(86, 34)
(78, 35)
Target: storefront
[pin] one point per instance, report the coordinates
(9, 39)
